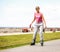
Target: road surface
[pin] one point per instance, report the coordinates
(49, 46)
(20, 33)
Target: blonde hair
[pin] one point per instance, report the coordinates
(37, 7)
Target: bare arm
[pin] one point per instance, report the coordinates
(32, 21)
(44, 20)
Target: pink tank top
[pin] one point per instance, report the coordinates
(38, 17)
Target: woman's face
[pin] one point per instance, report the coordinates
(37, 9)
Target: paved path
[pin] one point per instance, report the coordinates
(4, 34)
(50, 46)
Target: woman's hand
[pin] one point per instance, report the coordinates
(30, 25)
(45, 26)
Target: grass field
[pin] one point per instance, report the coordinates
(21, 40)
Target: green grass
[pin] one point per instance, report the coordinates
(21, 40)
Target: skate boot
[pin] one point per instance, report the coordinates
(33, 42)
(41, 42)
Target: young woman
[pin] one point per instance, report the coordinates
(40, 21)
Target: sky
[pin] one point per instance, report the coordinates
(20, 13)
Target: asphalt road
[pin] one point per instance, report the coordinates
(5, 34)
(49, 46)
